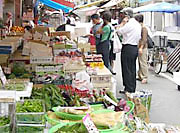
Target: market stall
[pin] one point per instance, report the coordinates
(56, 82)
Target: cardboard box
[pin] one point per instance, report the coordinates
(85, 47)
(61, 33)
(40, 29)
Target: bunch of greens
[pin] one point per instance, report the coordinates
(29, 106)
(15, 86)
(75, 128)
(4, 121)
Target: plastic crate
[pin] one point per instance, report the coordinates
(27, 128)
(41, 60)
(5, 128)
(31, 117)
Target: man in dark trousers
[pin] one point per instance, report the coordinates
(130, 29)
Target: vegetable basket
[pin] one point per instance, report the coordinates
(51, 121)
(68, 116)
(26, 116)
(112, 130)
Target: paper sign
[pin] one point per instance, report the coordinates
(110, 100)
(89, 124)
(2, 76)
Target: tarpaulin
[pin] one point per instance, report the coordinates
(159, 7)
(65, 3)
(55, 5)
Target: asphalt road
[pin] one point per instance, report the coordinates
(165, 105)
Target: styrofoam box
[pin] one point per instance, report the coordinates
(17, 94)
(48, 68)
(41, 60)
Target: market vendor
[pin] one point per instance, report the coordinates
(97, 24)
(8, 22)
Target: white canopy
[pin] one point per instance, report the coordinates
(111, 3)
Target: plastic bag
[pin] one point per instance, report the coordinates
(117, 44)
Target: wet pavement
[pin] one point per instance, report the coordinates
(165, 105)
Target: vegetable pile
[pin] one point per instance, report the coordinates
(4, 121)
(15, 86)
(53, 97)
(30, 111)
(75, 128)
(29, 106)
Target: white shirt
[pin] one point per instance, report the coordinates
(131, 32)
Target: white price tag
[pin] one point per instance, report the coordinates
(89, 124)
(2, 76)
(110, 100)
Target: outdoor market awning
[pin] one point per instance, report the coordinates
(65, 3)
(88, 11)
(91, 4)
(56, 5)
(111, 3)
(159, 7)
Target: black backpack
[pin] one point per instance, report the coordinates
(150, 42)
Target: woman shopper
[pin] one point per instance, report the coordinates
(106, 34)
(143, 52)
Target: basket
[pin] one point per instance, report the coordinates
(66, 115)
(51, 121)
(112, 130)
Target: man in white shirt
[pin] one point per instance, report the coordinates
(130, 29)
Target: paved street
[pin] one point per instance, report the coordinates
(165, 105)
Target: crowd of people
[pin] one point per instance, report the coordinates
(134, 45)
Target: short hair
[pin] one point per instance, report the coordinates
(128, 12)
(139, 18)
(107, 16)
(95, 16)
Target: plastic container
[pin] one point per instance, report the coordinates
(33, 128)
(67, 116)
(51, 121)
(31, 117)
(5, 128)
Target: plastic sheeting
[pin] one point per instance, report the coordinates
(65, 3)
(55, 5)
(159, 7)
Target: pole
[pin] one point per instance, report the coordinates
(151, 22)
